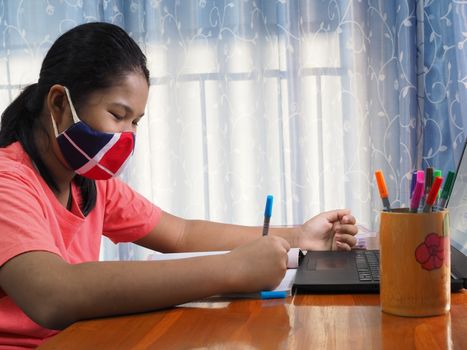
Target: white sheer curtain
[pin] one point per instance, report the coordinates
(260, 108)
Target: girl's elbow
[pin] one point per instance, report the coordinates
(51, 314)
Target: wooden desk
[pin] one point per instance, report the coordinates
(298, 322)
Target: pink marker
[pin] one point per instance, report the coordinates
(417, 195)
(420, 176)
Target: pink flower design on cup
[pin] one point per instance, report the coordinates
(431, 253)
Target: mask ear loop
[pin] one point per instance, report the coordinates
(73, 111)
(54, 125)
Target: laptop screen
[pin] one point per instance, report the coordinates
(457, 206)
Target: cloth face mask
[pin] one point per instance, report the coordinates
(94, 154)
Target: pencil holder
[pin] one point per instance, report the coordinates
(415, 263)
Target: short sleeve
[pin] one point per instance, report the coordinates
(128, 215)
(24, 225)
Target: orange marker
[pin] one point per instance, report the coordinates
(383, 192)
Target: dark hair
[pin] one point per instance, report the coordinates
(87, 58)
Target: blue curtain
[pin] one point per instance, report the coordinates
(443, 82)
(390, 94)
(417, 50)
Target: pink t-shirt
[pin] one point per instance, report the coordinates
(31, 219)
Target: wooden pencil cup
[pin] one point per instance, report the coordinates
(415, 263)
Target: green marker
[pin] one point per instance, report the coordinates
(438, 173)
(446, 192)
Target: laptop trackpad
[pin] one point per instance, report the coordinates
(327, 263)
(331, 268)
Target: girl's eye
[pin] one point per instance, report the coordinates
(135, 122)
(116, 116)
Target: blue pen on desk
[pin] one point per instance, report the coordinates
(265, 294)
(273, 294)
(267, 215)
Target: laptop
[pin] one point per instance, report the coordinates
(357, 271)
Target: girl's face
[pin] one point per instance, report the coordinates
(118, 108)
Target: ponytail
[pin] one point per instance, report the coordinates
(18, 118)
(18, 124)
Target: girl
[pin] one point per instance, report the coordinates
(62, 141)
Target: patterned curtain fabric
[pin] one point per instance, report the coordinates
(302, 99)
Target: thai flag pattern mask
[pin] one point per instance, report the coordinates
(94, 154)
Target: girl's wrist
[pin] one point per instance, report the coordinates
(292, 234)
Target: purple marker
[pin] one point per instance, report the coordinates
(413, 182)
(417, 196)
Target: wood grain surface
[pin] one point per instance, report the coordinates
(297, 322)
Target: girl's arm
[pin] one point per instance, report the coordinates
(55, 294)
(329, 230)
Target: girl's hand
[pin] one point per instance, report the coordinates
(259, 265)
(332, 230)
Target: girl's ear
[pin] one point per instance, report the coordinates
(58, 107)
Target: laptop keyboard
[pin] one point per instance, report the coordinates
(367, 265)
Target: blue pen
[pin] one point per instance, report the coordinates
(265, 294)
(273, 294)
(269, 294)
(267, 215)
